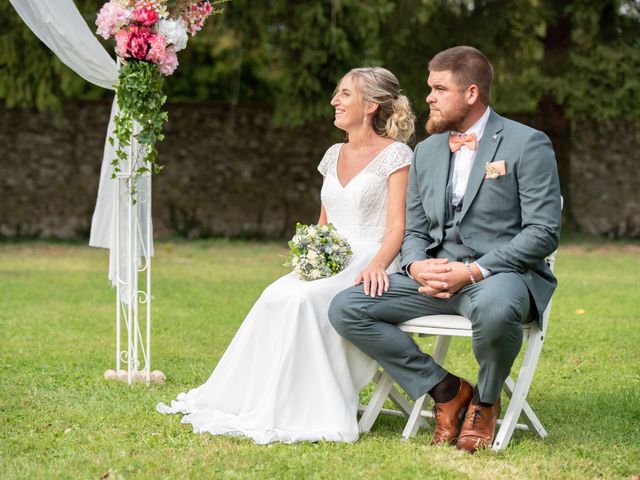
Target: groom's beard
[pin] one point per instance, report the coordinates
(447, 122)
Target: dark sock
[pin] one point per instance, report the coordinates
(476, 399)
(446, 390)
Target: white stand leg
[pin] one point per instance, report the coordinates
(133, 254)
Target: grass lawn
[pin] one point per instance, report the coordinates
(60, 419)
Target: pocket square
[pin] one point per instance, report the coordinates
(495, 169)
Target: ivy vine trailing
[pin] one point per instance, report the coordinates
(148, 34)
(140, 99)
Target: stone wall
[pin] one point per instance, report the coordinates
(233, 174)
(605, 179)
(226, 174)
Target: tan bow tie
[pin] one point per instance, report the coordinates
(457, 140)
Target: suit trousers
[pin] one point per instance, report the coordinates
(497, 307)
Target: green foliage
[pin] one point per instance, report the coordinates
(61, 419)
(30, 75)
(594, 76)
(290, 54)
(319, 42)
(140, 99)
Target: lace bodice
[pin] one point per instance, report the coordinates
(358, 209)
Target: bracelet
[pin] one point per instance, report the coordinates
(468, 267)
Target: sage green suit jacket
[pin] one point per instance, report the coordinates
(511, 223)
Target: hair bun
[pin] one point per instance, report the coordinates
(400, 124)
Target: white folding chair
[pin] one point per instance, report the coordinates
(445, 327)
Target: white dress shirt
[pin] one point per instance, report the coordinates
(463, 159)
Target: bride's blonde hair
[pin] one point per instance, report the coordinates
(393, 118)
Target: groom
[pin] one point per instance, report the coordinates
(483, 212)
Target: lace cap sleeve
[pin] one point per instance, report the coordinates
(328, 159)
(399, 156)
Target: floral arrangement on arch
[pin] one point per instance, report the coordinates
(148, 36)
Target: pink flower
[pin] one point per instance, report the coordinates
(194, 17)
(147, 16)
(138, 42)
(122, 42)
(110, 19)
(168, 62)
(157, 45)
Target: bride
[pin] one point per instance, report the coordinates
(287, 376)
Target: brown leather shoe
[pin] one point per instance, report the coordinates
(479, 427)
(449, 415)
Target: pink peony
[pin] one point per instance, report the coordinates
(157, 45)
(138, 42)
(122, 42)
(169, 61)
(111, 18)
(147, 16)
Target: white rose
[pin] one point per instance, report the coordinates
(311, 231)
(312, 255)
(174, 32)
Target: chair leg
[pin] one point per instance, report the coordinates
(415, 418)
(400, 401)
(380, 394)
(441, 348)
(528, 415)
(519, 394)
(416, 421)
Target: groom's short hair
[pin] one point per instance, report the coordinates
(468, 66)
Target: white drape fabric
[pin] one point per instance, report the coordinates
(61, 27)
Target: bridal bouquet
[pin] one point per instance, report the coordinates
(148, 35)
(318, 251)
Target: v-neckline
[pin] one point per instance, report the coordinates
(362, 169)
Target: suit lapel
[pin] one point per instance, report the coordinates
(440, 173)
(486, 150)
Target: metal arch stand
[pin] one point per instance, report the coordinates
(133, 249)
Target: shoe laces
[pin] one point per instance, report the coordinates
(436, 411)
(476, 415)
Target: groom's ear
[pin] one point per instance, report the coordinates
(472, 94)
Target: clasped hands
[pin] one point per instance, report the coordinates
(441, 278)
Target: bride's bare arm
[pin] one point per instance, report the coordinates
(323, 216)
(374, 276)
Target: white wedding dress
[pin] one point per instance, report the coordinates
(287, 376)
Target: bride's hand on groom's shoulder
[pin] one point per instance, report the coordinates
(374, 279)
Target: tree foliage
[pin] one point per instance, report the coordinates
(30, 75)
(581, 54)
